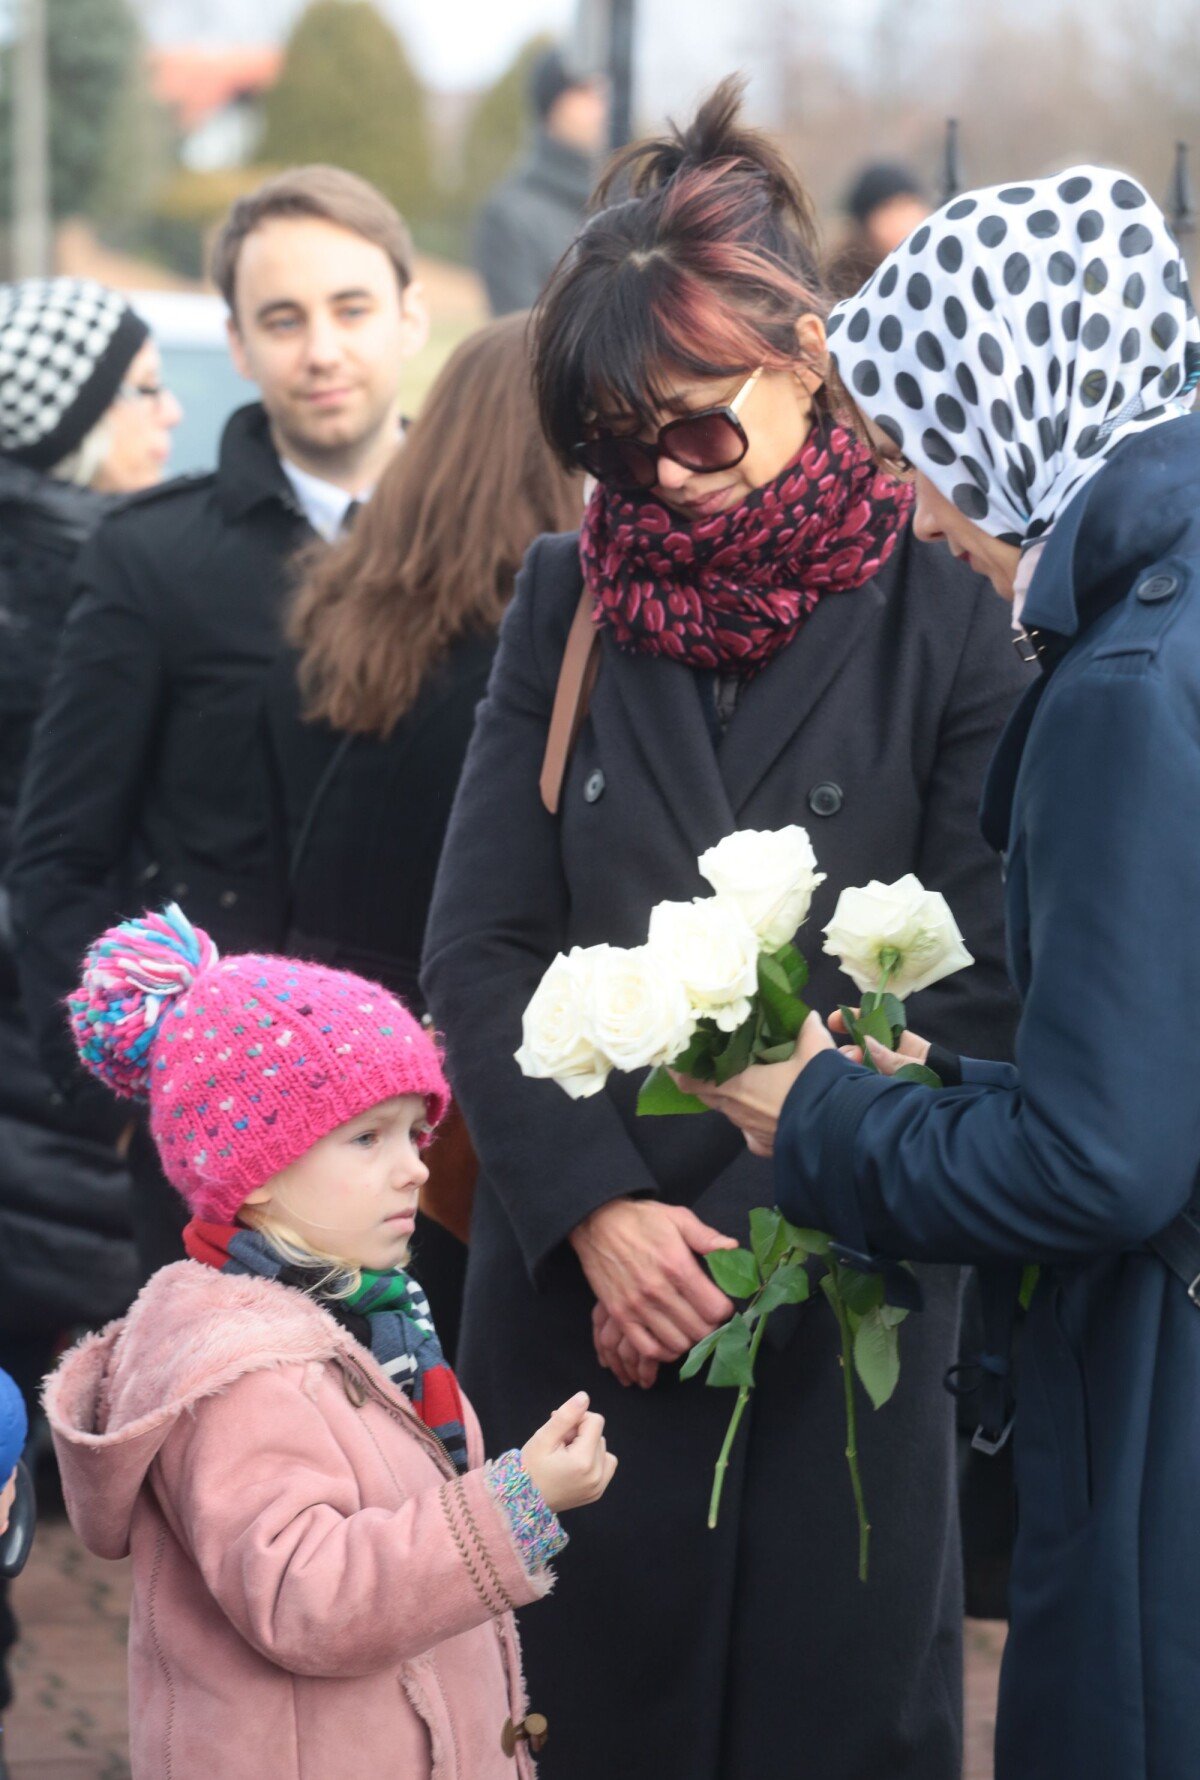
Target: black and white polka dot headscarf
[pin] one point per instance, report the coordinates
(1017, 336)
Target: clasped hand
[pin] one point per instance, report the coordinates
(654, 1297)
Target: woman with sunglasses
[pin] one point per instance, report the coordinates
(774, 648)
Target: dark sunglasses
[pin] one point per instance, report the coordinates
(710, 440)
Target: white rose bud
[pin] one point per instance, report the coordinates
(556, 1027)
(770, 874)
(640, 1014)
(712, 948)
(902, 925)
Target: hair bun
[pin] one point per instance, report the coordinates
(130, 976)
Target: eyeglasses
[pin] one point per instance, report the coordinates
(143, 392)
(712, 439)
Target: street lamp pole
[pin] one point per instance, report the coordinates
(31, 138)
(621, 21)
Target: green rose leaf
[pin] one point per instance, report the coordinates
(1029, 1285)
(875, 1025)
(697, 1058)
(780, 1053)
(813, 1242)
(659, 1095)
(788, 1285)
(737, 1053)
(917, 1072)
(877, 1357)
(861, 1292)
(701, 1352)
(786, 1011)
(892, 1315)
(794, 965)
(735, 1271)
(894, 1014)
(731, 1355)
(768, 1236)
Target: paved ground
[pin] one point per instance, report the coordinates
(69, 1719)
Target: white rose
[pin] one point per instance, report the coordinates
(904, 921)
(640, 1014)
(713, 950)
(556, 1027)
(770, 874)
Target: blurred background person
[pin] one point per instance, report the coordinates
(142, 776)
(530, 219)
(883, 203)
(84, 419)
(368, 720)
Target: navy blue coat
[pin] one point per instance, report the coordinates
(1088, 1147)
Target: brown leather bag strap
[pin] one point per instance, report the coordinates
(572, 695)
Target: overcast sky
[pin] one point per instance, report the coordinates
(683, 45)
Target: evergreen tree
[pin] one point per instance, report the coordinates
(500, 125)
(348, 94)
(93, 55)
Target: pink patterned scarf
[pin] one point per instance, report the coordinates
(728, 592)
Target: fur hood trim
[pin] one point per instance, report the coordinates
(191, 1333)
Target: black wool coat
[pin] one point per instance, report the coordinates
(65, 1250)
(359, 820)
(144, 782)
(751, 1651)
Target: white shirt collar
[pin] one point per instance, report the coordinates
(324, 505)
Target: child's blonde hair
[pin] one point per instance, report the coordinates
(342, 1278)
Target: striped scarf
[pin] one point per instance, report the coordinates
(400, 1331)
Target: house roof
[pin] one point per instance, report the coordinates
(195, 83)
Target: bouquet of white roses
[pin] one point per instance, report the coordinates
(715, 987)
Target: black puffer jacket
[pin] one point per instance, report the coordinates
(65, 1254)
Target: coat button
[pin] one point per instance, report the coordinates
(532, 1729)
(594, 788)
(826, 799)
(227, 899)
(1157, 587)
(179, 890)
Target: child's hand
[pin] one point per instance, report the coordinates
(567, 1458)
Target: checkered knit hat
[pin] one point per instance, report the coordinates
(246, 1061)
(65, 346)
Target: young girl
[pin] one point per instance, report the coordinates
(324, 1568)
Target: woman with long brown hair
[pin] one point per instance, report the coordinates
(393, 629)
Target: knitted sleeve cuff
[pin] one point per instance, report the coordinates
(537, 1530)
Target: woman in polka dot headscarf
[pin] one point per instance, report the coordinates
(1012, 343)
(1032, 352)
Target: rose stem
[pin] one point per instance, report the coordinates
(847, 1362)
(743, 1397)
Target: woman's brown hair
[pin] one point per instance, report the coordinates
(706, 266)
(434, 553)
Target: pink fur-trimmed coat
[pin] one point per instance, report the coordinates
(316, 1594)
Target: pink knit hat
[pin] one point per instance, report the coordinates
(246, 1061)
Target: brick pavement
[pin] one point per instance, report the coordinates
(68, 1722)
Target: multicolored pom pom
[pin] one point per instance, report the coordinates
(130, 977)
